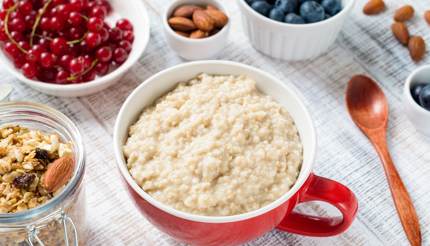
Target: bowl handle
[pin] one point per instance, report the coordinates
(326, 190)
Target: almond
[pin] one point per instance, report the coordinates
(197, 34)
(374, 7)
(427, 16)
(417, 48)
(404, 13)
(219, 17)
(185, 11)
(181, 24)
(58, 173)
(400, 31)
(203, 21)
(183, 34)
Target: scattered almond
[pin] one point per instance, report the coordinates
(197, 34)
(185, 11)
(427, 16)
(181, 24)
(203, 21)
(58, 173)
(400, 31)
(404, 13)
(374, 7)
(184, 34)
(417, 48)
(219, 17)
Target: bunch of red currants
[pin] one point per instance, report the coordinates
(63, 41)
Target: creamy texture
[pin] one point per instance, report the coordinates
(215, 146)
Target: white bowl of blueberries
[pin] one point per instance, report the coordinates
(294, 29)
(417, 99)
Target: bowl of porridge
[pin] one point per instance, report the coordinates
(217, 152)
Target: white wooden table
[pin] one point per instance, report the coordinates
(365, 46)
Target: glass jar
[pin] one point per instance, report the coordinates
(60, 221)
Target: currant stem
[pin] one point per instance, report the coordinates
(75, 76)
(37, 22)
(6, 28)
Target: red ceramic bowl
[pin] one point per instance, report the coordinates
(237, 229)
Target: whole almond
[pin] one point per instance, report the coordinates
(197, 34)
(374, 7)
(58, 173)
(183, 34)
(219, 17)
(404, 13)
(181, 24)
(203, 21)
(427, 16)
(417, 48)
(185, 11)
(400, 31)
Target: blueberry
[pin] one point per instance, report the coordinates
(415, 91)
(288, 6)
(312, 12)
(294, 19)
(276, 14)
(262, 7)
(425, 97)
(332, 7)
(326, 16)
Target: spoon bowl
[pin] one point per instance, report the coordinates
(366, 103)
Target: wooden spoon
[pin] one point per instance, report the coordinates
(368, 108)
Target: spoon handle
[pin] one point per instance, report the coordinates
(402, 200)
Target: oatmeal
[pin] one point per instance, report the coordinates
(215, 146)
(24, 159)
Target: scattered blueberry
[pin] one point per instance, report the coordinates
(294, 19)
(415, 91)
(425, 97)
(287, 6)
(332, 7)
(276, 14)
(262, 7)
(312, 12)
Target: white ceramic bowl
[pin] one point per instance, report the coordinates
(419, 116)
(292, 41)
(135, 11)
(196, 49)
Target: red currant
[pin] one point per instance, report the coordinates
(126, 45)
(19, 60)
(102, 68)
(17, 24)
(25, 7)
(34, 53)
(93, 39)
(56, 24)
(95, 24)
(30, 19)
(75, 33)
(45, 23)
(11, 49)
(8, 4)
(29, 70)
(119, 55)
(124, 25)
(77, 5)
(17, 36)
(115, 34)
(63, 11)
(76, 65)
(62, 76)
(89, 76)
(47, 60)
(99, 11)
(3, 14)
(58, 46)
(24, 45)
(3, 35)
(104, 54)
(75, 19)
(65, 61)
(128, 35)
(104, 34)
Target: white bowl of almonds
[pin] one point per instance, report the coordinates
(196, 29)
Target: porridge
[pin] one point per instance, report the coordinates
(215, 146)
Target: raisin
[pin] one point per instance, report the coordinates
(23, 181)
(43, 156)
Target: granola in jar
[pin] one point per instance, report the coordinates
(25, 158)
